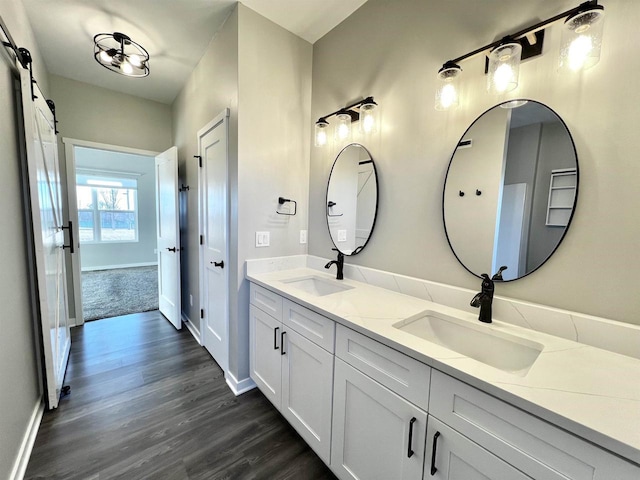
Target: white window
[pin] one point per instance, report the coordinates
(107, 207)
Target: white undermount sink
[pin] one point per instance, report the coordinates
(475, 340)
(317, 286)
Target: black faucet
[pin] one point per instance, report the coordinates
(484, 299)
(339, 263)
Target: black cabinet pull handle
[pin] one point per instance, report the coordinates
(282, 352)
(410, 452)
(218, 264)
(275, 338)
(71, 246)
(172, 249)
(433, 454)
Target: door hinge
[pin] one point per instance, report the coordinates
(199, 160)
(202, 313)
(201, 239)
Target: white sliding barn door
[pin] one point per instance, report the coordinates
(168, 236)
(214, 268)
(46, 217)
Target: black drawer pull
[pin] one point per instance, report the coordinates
(275, 338)
(282, 352)
(410, 452)
(433, 454)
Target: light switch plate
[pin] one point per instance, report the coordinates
(303, 236)
(342, 235)
(262, 239)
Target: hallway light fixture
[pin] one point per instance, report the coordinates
(580, 49)
(118, 53)
(365, 111)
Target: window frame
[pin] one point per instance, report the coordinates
(96, 210)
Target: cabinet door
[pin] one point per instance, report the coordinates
(455, 457)
(377, 435)
(307, 390)
(265, 335)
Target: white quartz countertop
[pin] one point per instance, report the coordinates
(588, 391)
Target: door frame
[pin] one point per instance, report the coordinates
(222, 117)
(72, 209)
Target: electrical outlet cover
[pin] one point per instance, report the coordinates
(342, 235)
(303, 236)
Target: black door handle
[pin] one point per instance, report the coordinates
(218, 264)
(71, 246)
(409, 450)
(282, 352)
(433, 454)
(275, 338)
(172, 249)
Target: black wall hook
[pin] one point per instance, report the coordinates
(183, 188)
(478, 192)
(282, 201)
(461, 193)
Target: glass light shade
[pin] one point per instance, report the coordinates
(321, 133)
(504, 68)
(369, 117)
(581, 40)
(343, 127)
(447, 93)
(135, 60)
(126, 67)
(105, 57)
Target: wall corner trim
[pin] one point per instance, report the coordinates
(26, 446)
(190, 326)
(239, 387)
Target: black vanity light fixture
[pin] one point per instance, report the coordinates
(117, 52)
(366, 111)
(580, 46)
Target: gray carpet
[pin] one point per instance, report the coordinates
(110, 293)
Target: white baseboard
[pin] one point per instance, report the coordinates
(239, 387)
(192, 328)
(22, 460)
(125, 265)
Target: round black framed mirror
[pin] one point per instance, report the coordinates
(510, 190)
(352, 199)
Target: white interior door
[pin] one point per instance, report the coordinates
(168, 236)
(214, 278)
(46, 215)
(510, 231)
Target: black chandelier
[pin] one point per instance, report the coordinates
(117, 52)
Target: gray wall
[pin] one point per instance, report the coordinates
(263, 74)
(556, 152)
(96, 114)
(273, 153)
(212, 87)
(18, 358)
(106, 255)
(394, 51)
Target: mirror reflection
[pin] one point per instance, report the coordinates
(510, 190)
(352, 199)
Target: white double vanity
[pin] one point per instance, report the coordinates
(384, 385)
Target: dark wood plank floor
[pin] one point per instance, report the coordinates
(148, 402)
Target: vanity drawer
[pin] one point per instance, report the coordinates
(402, 374)
(311, 325)
(530, 444)
(266, 300)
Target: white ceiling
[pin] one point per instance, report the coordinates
(174, 32)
